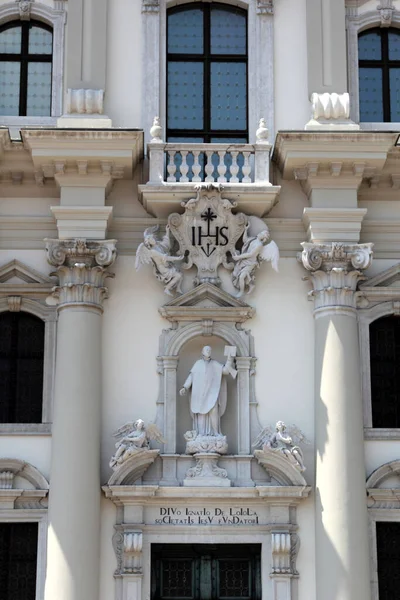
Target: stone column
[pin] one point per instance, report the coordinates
(342, 547)
(74, 500)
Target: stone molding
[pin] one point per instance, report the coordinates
(336, 269)
(84, 101)
(81, 268)
(56, 18)
(331, 111)
(265, 7)
(278, 466)
(23, 496)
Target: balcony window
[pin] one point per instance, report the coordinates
(207, 74)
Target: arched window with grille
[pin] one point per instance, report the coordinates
(384, 336)
(26, 53)
(207, 73)
(21, 367)
(379, 75)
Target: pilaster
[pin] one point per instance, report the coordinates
(326, 46)
(81, 268)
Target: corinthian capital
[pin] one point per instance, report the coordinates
(81, 269)
(336, 269)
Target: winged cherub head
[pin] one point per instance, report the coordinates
(280, 426)
(139, 424)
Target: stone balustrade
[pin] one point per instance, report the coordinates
(183, 162)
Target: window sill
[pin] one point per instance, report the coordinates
(384, 433)
(380, 126)
(16, 123)
(25, 429)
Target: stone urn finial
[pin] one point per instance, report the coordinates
(262, 131)
(156, 130)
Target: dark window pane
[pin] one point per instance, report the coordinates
(228, 96)
(39, 89)
(18, 560)
(385, 374)
(369, 46)
(371, 102)
(394, 44)
(40, 41)
(394, 75)
(21, 368)
(228, 32)
(9, 88)
(10, 41)
(177, 578)
(185, 95)
(234, 578)
(185, 32)
(388, 550)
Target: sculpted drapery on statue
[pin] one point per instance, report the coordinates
(209, 391)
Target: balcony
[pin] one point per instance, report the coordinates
(176, 168)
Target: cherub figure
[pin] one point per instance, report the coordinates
(281, 441)
(134, 436)
(157, 253)
(255, 250)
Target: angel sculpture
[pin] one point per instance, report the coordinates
(157, 253)
(255, 250)
(134, 437)
(281, 441)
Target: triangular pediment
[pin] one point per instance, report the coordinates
(388, 278)
(17, 279)
(16, 272)
(207, 301)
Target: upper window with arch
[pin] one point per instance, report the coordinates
(26, 55)
(379, 75)
(22, 337)
(207, 73)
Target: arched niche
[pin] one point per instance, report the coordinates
(203, 316)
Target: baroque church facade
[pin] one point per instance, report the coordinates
(199, 299)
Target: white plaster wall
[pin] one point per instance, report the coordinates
(292, 107)
(34, 449)
(123, 94)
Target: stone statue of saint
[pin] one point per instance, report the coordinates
(209, 391)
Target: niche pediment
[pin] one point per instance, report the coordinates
(207, 302)
(382, 287)
(16, 278)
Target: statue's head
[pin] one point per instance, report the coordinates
(150, 241)
(139, 424)
(280, 426)
(263, 236)
(206, 352)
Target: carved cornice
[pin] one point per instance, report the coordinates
(336, 268)
(81, 268)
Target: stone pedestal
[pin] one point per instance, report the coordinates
(74, 506)
(206, 472)
(342, 546)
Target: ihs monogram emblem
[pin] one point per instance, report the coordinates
(207, 232)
